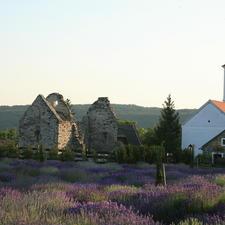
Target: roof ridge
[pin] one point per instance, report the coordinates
(219, 105)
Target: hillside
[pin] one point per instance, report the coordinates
(144, 116)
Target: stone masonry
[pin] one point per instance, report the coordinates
(49, 122)
(100, 127)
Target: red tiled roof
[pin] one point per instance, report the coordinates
(219, 104)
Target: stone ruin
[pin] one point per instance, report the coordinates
(49, 122)
(100, 127)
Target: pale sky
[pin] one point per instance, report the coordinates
(132, 51)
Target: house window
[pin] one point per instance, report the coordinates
(222, 141)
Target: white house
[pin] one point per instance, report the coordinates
(205, 125)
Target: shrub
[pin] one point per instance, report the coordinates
(205, 158)
(149, 153)
(13, 152)
(27, 153)
(8, 149)
(95, 155)
(67, 155)
(53, 154)
(187, 156)
(128, 154)
(160, 169)
(39, 154)
(120, 154)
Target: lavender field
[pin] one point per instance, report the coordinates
(85, 193)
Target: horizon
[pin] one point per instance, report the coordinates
(133, 52)
(124, 104)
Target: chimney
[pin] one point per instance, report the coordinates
(224, 84)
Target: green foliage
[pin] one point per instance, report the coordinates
(3, 151)
(120, 154)
(95, 155)
(39, 154)
(205, 158)
(171, 207)
(10, 134)
(149, 153)
(126, 122)
(220, 180)
(144, 116)
(53, 154)
(191, 221)
(160, 168)
(187, 156)
(128, 154)
(147, 136)
(27, 153)
(168, 130)
(13, 151)
(67, 155)
(8, 149)
(132, 154)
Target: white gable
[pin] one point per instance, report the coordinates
(205, 125)
(208, 116)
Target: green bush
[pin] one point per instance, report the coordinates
(13, 152)
(3, 151)
(132, 154)
(187, 156)
(27, 153)
(95, 155)
(67, 155)
(205, 158)
(53, 154)
(8, 149)
(39, 154)
(128, 154)
(149, 154)
(120, 154)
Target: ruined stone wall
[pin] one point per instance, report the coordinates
(39, 126)
(65, 132)
(100, 127)
(60, 106)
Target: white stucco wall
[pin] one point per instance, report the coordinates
(205, 125)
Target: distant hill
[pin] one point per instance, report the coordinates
(144, 116)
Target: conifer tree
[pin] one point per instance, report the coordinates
(168, 130)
